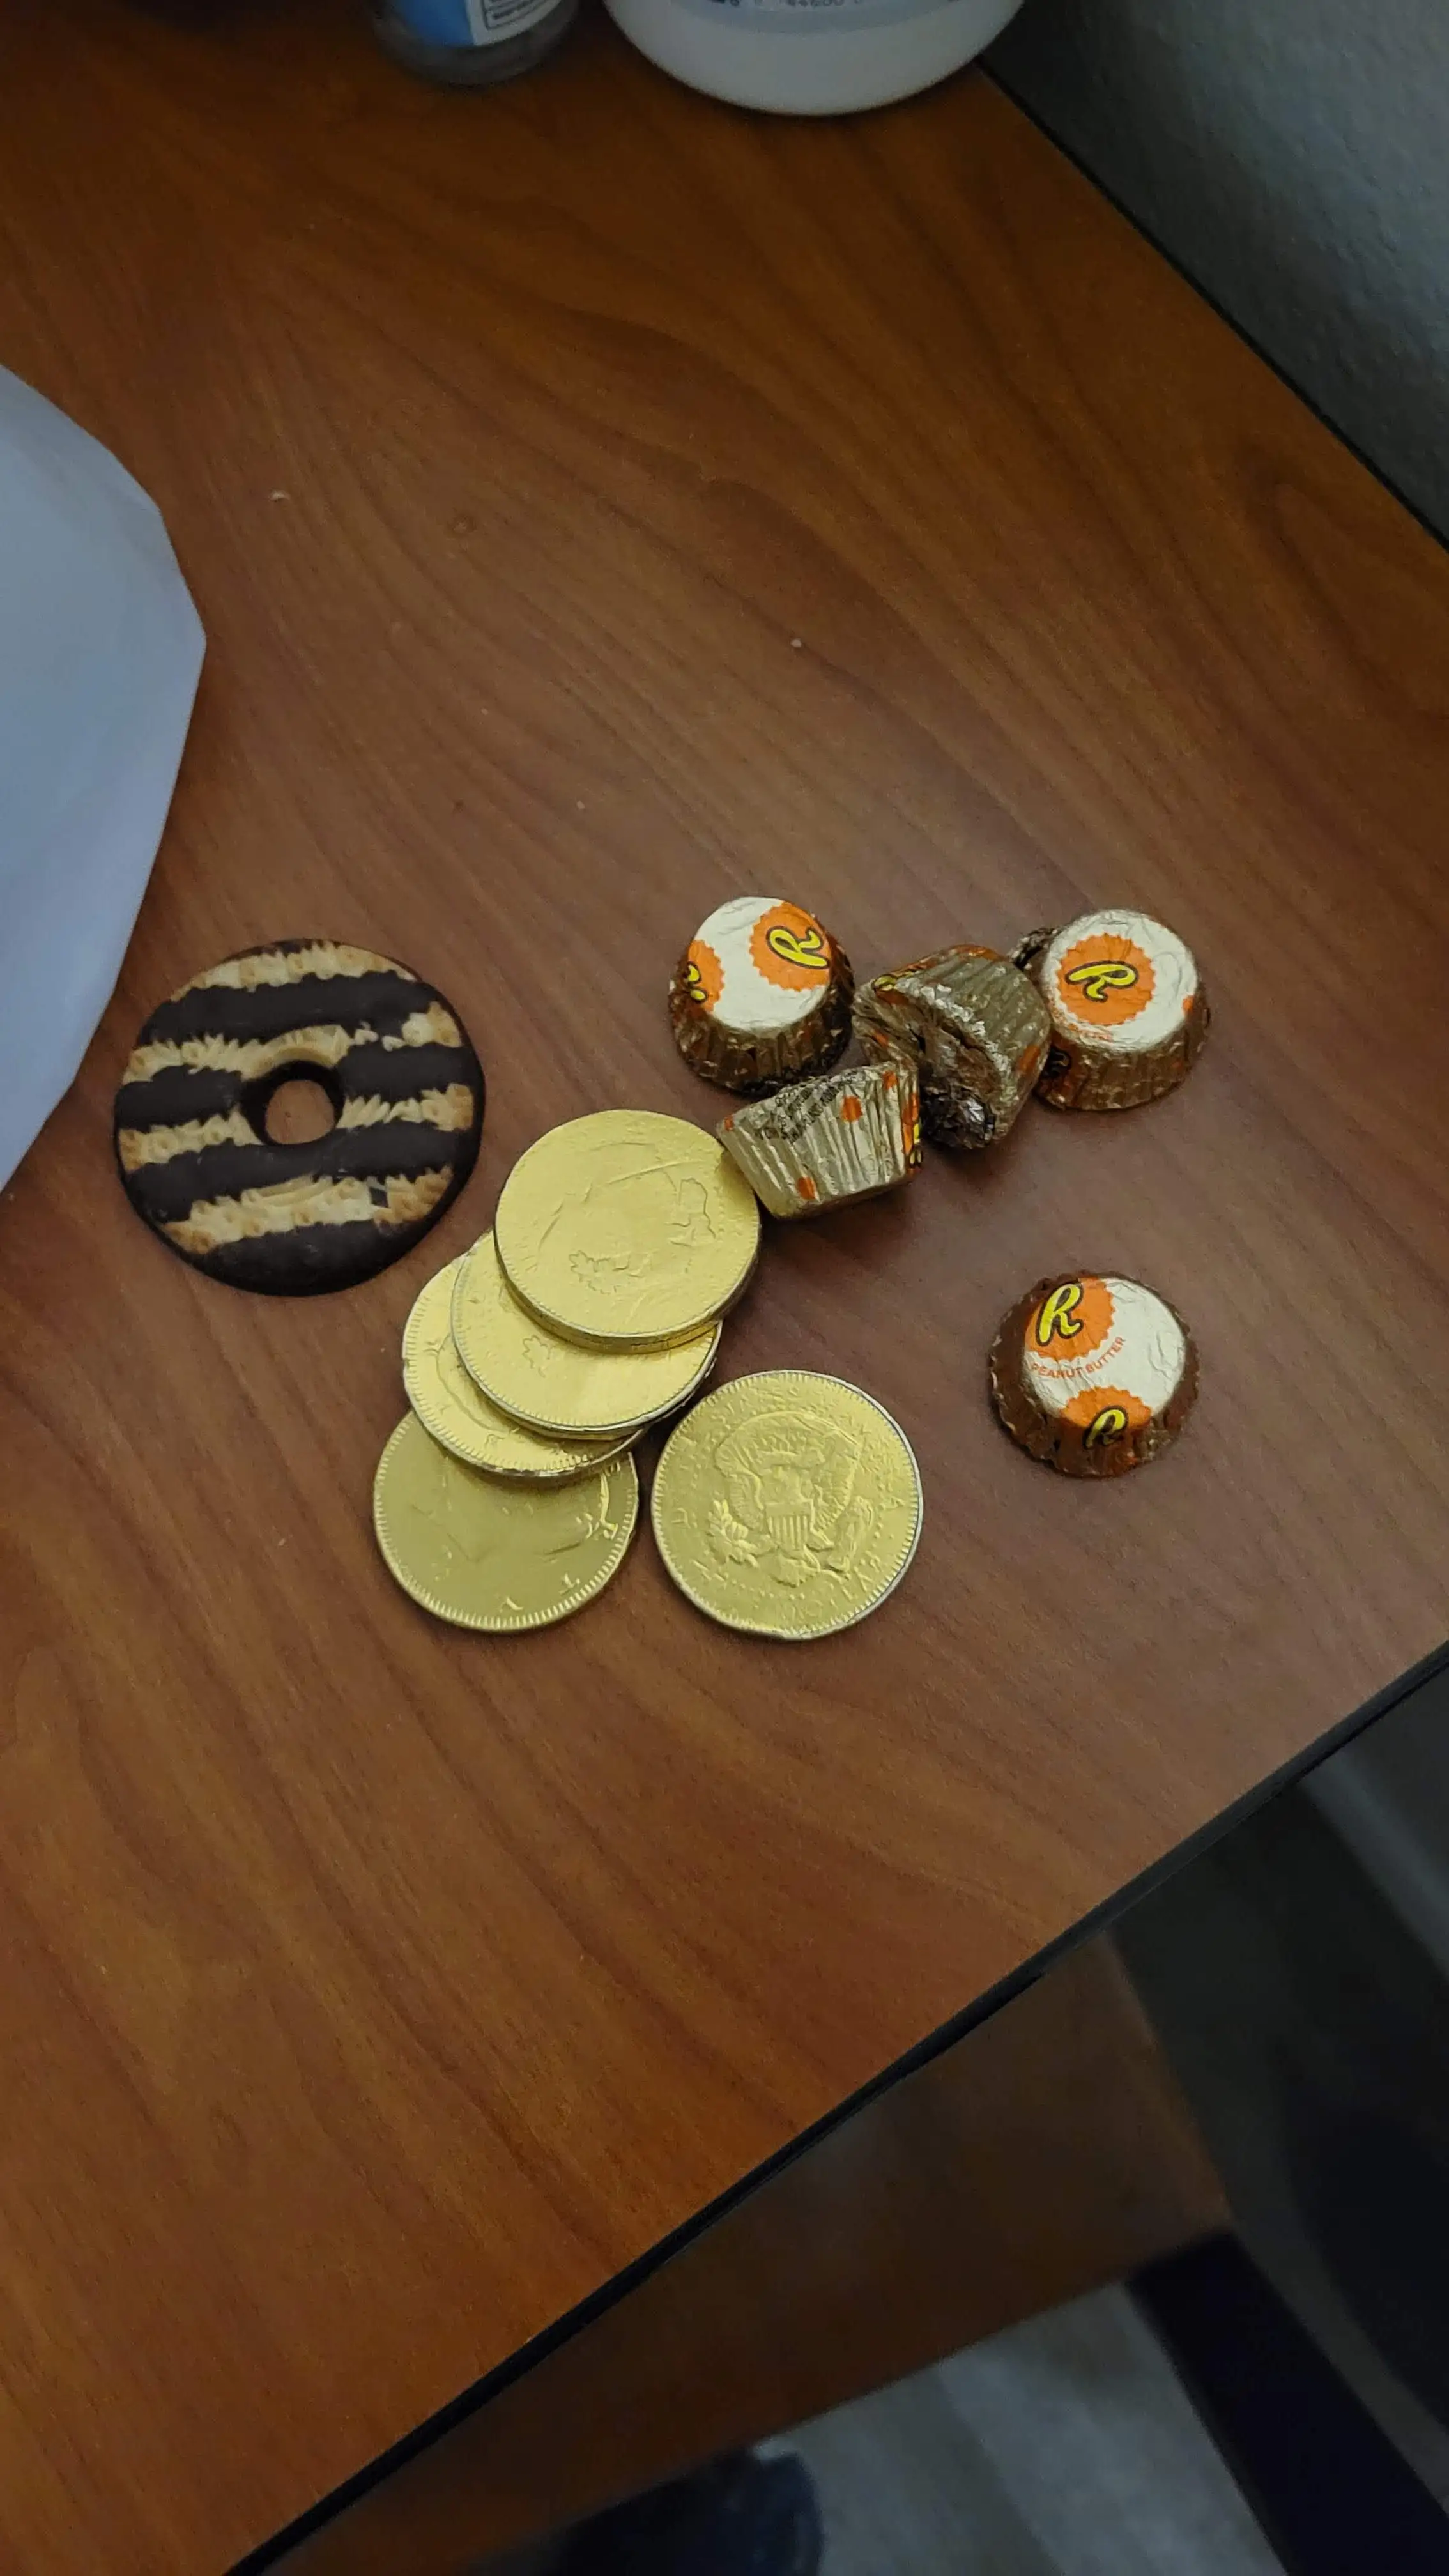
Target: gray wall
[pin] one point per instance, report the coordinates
(1293, 157)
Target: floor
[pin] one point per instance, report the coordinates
(1065, 2447)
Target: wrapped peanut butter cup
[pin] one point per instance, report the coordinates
(761, 995)
(1128, 1008)
(824, 1142)
(1093, 1375)
(976, 1030)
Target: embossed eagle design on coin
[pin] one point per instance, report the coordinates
(789, 1499)
(787, 1504)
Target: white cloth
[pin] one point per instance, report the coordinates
(100, 651)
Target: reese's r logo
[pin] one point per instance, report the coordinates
(1057, 1318)
(1105, 1427)
(1101, 976)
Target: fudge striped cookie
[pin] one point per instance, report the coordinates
(406, 1091)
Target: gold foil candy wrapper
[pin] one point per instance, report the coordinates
(825, 1142)
(976, 1029)
(761, 996)
(1093, 1375)
(1129, 1010)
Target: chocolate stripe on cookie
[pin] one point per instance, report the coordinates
(383, 1004)
(286, 1207)
(370, 1154)
(176, 1098)
(308, 1260)
(450, 1111)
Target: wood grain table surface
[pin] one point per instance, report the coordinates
(600, 502)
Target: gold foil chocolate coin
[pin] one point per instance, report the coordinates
(495, 1556)
(627, 1229)
(787, 1504)
(458, 1413)
(558, 1387)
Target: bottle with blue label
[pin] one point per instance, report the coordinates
(472, 42)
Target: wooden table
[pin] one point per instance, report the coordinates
(599, 502)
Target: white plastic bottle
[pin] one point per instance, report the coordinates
(811, 57)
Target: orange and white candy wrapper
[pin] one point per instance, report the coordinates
(1093, 1375)
(828, 1141)
(761, 995)
(1128, 1009)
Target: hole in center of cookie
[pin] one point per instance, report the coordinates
(298, 1112)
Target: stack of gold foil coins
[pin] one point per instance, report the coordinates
(508, 1495)
(788, 1504)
